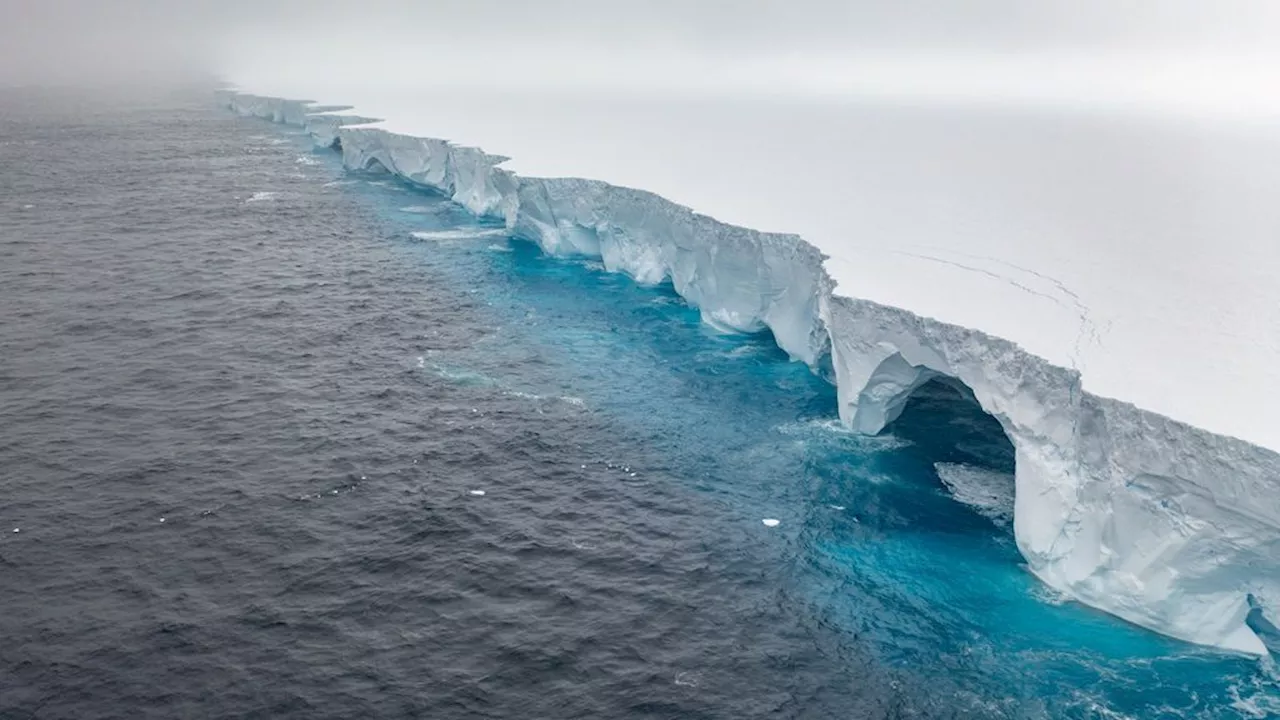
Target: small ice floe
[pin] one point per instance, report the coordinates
(836, 507)
(260, 197)
(161, 519)
(477, 492)
(307, 160)
(27, 207)
(363, 477)
(989, 492)
(17, 529)
(770, 522)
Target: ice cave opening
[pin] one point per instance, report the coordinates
(970, 453)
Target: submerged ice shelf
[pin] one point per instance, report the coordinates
(1161, 523)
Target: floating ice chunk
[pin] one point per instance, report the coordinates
(477, 492)
(770, 522)
(987, 491)
(836, 507)
(260, 197)
(161, 519)
(16, 529)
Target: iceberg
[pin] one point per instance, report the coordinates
(1165, 524)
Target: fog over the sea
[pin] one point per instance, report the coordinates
(1170, 55)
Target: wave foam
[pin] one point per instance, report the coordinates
(447, 236)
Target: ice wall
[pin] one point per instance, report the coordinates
(1160, 523)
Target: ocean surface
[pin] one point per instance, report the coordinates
(279, 440)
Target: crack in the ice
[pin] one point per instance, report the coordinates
(1088, 330)
(1088, 327)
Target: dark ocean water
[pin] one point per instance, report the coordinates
(246, 414)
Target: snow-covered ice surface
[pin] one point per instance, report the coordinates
(1101, 284)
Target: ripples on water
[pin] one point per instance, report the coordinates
(284, 442)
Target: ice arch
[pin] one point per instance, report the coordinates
(1104, 511)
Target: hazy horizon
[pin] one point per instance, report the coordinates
(1173, 56)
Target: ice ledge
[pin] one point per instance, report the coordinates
(1160, 523)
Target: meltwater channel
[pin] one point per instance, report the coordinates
(284, 440)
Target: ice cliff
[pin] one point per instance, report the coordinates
(1155, 521)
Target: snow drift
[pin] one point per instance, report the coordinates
(1163, 524)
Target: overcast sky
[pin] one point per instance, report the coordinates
(1218, 51)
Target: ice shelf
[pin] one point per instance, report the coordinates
(1171, 524)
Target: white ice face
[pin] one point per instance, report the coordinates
(1163, 524)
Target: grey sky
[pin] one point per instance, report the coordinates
(89, 40)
